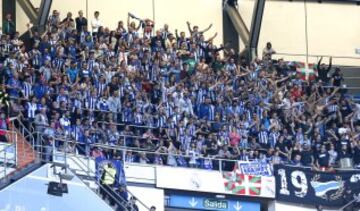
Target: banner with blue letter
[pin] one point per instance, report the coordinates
(305, 186)
(255, 168)
(100, 162)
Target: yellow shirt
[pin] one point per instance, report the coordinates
(109, 177)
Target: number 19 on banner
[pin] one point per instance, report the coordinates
(298, 181)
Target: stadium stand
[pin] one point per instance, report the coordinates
(175, 94)
(142, 95)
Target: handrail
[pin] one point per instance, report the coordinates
(92, 172)
(198, 157)
(5, 160)
(24, 130)
(101, 186)
(137, 150)
(315, 55)
(128, 149)
(88, 172)
(40, 152)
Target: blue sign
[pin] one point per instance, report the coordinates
(208, 203)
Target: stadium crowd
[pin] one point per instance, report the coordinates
(177, 98)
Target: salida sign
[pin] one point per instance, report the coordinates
(207, 203)
(216, 204)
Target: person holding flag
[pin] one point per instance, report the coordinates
(107, 181)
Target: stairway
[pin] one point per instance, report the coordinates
(25, 157)
(25, 154)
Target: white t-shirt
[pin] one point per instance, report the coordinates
(95, 24)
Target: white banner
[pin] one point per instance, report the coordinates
(215, 182)
(254, 168)
(137, 173)
(189, 179)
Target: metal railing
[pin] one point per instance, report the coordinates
(217, 163)
(43, 152)
(316, 57)
(80, 164)
(37, 144)
(26, 133)
(125, 149)
(8, 163)
(90, 172)
(113, 195)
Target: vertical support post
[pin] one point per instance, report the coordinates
(153, 16)
(220, 166)
(5, 163)
(53, 150)
(88, 166)
(306, 35)
(123, 151)
(16, 148)
(255, 28)
(65, 152)
(87, 11)
(44, 14)
(230, 35)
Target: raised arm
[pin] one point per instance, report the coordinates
(30, 31)
(211, 38)
(189, 27)
(319, 63)
(207, 29)
(281, 80)
(330, 64)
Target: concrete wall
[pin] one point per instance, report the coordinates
(332, 28)
(173, 12)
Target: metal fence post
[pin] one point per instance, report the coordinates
(53, 150)
(16, 148)
(123, 155)
(88, 165)
(5, 163)
(220, 165)
(65, 152)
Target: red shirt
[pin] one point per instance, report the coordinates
(296, 93)
(234, 139)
